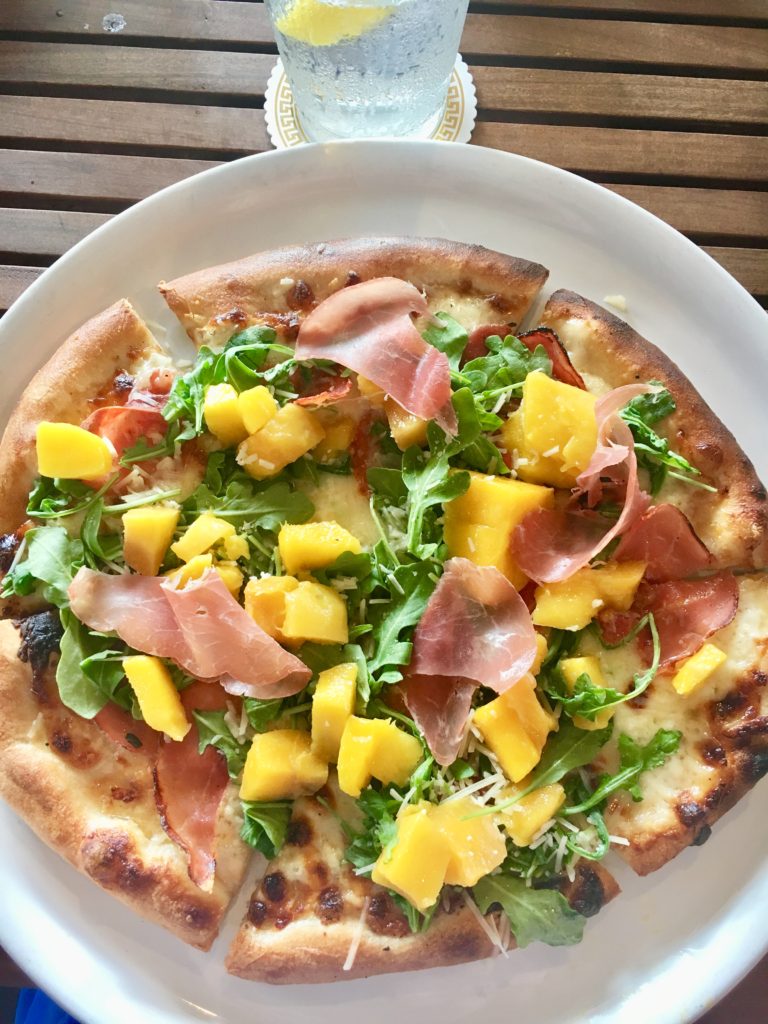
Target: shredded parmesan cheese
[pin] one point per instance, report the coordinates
(487, 924)
(356, 938)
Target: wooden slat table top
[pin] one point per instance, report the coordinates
(663, 101)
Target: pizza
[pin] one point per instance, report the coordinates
(426, 602)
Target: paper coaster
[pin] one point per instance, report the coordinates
(285, 128)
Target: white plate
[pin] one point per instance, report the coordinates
(672, 943)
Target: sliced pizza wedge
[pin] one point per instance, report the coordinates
(313, 919)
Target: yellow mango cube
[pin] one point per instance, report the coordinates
(554, 432)
(223, 418)
(696, 669)
(201, 535)
(416, 866)
(265, 602)
(541, 653)
(280, 766)
(69, 452)
(338, 438)
(525, 818)
(515, 726)
(406, 428)
(236, 547)
(231, 576)
(291, 433)
(476, 843)
(256, 407)
(375, 747)
(158, 698)
(573, 603)
(572, 668)
(147, 533)
(371, 391)
(317, 613)
(193, 570)
(313, 545)
(479, 523)
(332, 704)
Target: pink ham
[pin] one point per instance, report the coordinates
(189, 787)
(475, 631)
(664, 539)
(202, 628)
(123, 425)
(368, 328)
(562, 367)
(551, 545)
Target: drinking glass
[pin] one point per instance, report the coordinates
(368, 68)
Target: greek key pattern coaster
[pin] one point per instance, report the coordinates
(285, 128)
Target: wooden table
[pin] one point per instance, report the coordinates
(663, 101)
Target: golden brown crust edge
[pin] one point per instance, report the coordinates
(277, 281)
(734, 522)
(93, 803)
(62, 390)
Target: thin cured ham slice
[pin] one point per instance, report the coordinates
(123, 425)
(201, 627)
(664, 539)
(562, 367)
(330, 390)
(368, 328)
(189, 787)
(119, 725)
(475, 631)
(552, 544)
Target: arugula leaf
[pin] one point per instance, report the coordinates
(634, 760)
(429, 482)
(78, 692)
(653, 452)
(506, 366)
(535, 915)
(261, 713)
(378, 830)
(411, 587)
(450, 338)
(50, 561)
(265, 825)
(213, 731)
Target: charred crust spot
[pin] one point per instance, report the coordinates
(41, 635)
(352, 278)
(274, 887)
(641, 700)
(299, 832)
(9, 545)
(123, 382)
(701, 836)
(587, 895)
(385, 917)
(111, 861)
(257, 912)
(61, 742)
(282, 920)
(730, 704)
(234, 317)
(126, 795)
(319, 872)
(713, 753)
(198, 917)
(754, 766)
(690, 813)
(300, 296)
(330, 905)
(501, 303)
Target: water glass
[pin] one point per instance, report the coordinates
(368, 68)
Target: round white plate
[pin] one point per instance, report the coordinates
(672, 943)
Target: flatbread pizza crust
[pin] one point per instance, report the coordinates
(472, 283)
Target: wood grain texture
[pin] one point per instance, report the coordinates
(45, 232)
(747, 10)
(13, 281)
(748, 266)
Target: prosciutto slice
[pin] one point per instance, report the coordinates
(552, 544)
(119, 725)
(123, 425)
(562, 367)
(189, 787)
(664, 539)
(367, 327)
(475, 631)
(202, 628)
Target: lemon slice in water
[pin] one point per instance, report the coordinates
(323, 24)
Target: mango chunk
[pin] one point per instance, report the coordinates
(515, 726)
(158, 698)
(332, 705)
(371, 391)
(573, 603)
(223, 418)
(338, 438)
(67, 451)
(476, 843)
(696, 669)
(280, 765)
(541, 653)
(572, 668)
(415, 867)
(236, 547)
(314, 612)
(291, 433)
(375, 747)
(201, 535)
(406, 428)
(479, 524)
(313, 545)
(524, 819)
(265, 602)
(231, 576)
(256, 407)
(193, 570)
(553, 433)
(147, 532)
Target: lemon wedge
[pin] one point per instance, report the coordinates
(321, 24)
